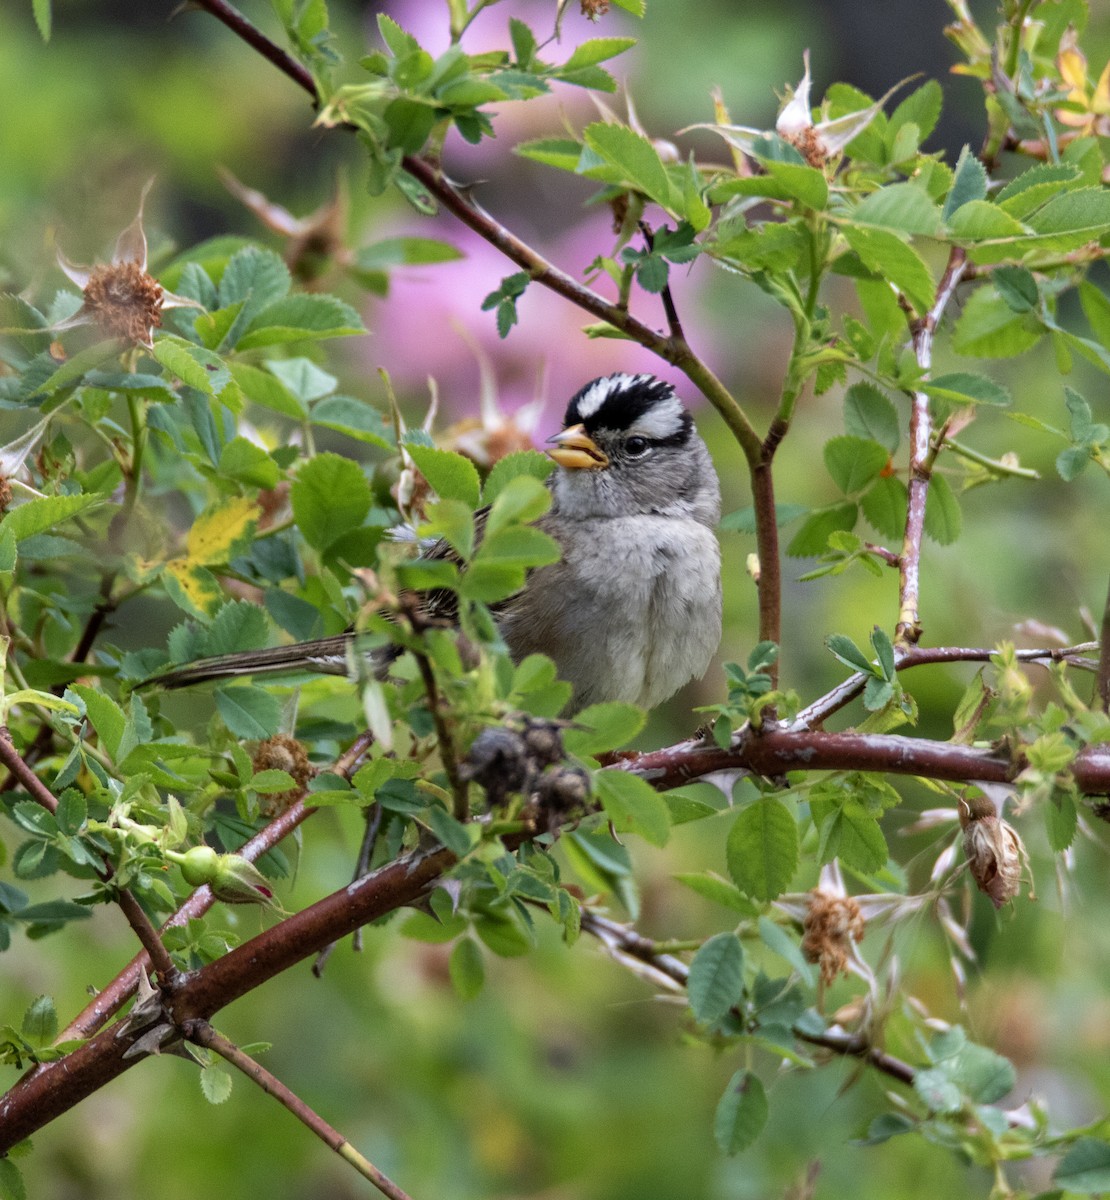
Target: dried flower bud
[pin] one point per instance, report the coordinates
(124, 301)
(995, 852)
(831, 926)
(560, 795)
(282, 753)
(594, 10)
(498, 761)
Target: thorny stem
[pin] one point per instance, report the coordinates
(908, 629)
(202, 1034)
(138, 920)
(628, 947)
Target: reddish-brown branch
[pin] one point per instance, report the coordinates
(203, 1034)
(22, 773)
(922, 454)
(1104, 659)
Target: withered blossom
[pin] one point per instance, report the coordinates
(120, 297)
(831, 928)
(995, 853)
(1090, 111)
(818, 142)
(282, 753)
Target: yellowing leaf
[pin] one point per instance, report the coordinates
(192, 587)
(221, 531)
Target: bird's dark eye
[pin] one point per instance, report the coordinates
(637, 445)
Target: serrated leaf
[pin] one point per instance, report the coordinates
(905, 207)
(716, 979)
(853, 835)
(239, 625)
(562, 153)
(12, 1186)
(966, 387)
(602, 727)
(988, 328)
(634, 157)
(1085, 210)
(27, 520)
(104, 714)
(199, 368)
(854, 463)
(405, 251)
(450, 475)
(263, 388)
(843, 648)
(1061, 820)
(741, 1113)
(302, 317)
(813, 536)
(216, 1084)
(330, 497)
(1085, 1169)
(40, 1021)
(870, 414)
(597, 50)
(711, 886)
(467, 971)
(248, 712)
(921, 108)
(762, 848)
(633, 805)
(980, 221)
(885, 505)
(520, 462)
(943, 518)
(884, 253)
(969, 184)
(1018, 288)
(254, 277)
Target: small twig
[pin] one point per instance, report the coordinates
(673, 323)
(22, 773)
(624, 943)
(374, 816)
(202, 1034)
(1104, 659)
(908, 629)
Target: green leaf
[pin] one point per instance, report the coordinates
(40, 1021)
(711, 886)
(72, 812)
(1084, 210)
(854, 463)
(330, 497)
(520, 499)
(884, 253)
(843, 648)
(634, 156)
(988, 328)
(1085, 1169)
(249, 464)
(449, 474)
(254, 276)
(12, 1186)
(602, 727)
(263, 388)
(813, 536)
(562, 153)
(194, 365)
(981, 221)
(779, 942)
(762, 848)
(467, 971)
(105, 716)
(904, 207)
(405, 251)
(597, 50)
(520, 462)
(248, 712)
(966, 387)
(853, 835)
(716, 980)
(943, 519)
(301, 317)
(741, 1113)
(356, 418)
(1032, 188)
(970, 183)
(44, 513)
(1018, 288)
(633, 805)
(239, 625)
(921, 108)
(517, 547)
(215, 1083)
(43, 17)
(1061, 820)
(870, 414)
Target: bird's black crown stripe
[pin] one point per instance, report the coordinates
(623, 400)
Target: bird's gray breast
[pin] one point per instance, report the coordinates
(632, 612)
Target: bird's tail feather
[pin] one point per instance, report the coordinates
(323, 656)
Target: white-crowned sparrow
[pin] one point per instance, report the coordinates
(632, 611)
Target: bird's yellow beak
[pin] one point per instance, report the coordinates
(575, 449)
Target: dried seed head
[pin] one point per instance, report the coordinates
(124, 301)
(995, 853)
(5, 493)
(282, 753)
(595, 9)
(560, 795)
(807, 141)
(832, 925)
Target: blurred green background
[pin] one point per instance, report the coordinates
(565, 1079)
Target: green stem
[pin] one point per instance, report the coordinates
(993, 465)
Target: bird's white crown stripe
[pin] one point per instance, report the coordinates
(602, 389)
